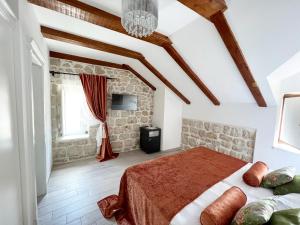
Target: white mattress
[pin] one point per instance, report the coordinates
(190, 215)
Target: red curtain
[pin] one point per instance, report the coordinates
(95, 89)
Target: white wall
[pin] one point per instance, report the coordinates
(159, 107)
(266, 33)
(31, 31)
(10, 191)
(167, 114)
(25, 29)
(172, 121)
(28, 30)
(39, 130)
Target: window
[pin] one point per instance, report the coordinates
(74, 111)
(289, 132)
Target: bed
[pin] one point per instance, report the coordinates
(173, 190)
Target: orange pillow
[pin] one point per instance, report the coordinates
(255, 174)
(223, 210)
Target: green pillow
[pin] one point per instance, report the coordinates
(291, 187)
(278, 177)
(255, 213)
(285, 217)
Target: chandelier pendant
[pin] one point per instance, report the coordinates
(139, 17)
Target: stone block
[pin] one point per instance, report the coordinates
(131, 120)
(226, 130)
(226, 144)
(128, 143)
(75, 152)
(144, 119)
(225, 137)
(185, 129)
(211, 135)
(236, 132)
(124, 136)
(120, 122)
(239, 142)
(194, 130)
(237, 148)
(116, 144)
(80, 141)
(207, 126)
(216, 128)
(90, 150)
(59, 153)
(192, 142)
(250, 144)
(60, 161)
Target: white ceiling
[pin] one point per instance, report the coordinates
(169, 21)
(158, 56)
(198, 43)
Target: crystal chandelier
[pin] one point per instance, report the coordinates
(140, 17)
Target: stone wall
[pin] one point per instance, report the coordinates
(235, 141)
(123, 125)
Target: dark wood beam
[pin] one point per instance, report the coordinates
(205, 8)
(84, 60)
(186, 68)
(93, 44)
(96, 16)
(100, 63)
(129, 68)
(89, 43)
(164, 80)
(235, 51)
(101, 18)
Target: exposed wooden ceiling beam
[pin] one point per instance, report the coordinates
(100, 63)
(163, 79)
(101, 18)
(129, 68)
(180, 61)
(205, 8)
(93, 44)
(84, 60)
(94, 15)
(213, 11)
(89, 43)
(235, 51)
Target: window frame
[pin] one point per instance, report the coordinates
(68, 137)
(280, 141)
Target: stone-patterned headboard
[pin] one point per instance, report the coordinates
(231, 140)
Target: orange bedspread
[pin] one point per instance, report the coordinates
(152, 193)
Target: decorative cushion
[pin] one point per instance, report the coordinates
(285, 217)
(255, 213)
(278, 177)
(291, 187)
(222, 210)
(255, 174)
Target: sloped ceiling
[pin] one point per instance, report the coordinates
(267, 33)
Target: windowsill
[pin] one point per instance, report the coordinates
(73, 137)
(286, 147)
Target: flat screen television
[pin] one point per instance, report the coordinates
(124, 102)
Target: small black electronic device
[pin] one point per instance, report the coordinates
(150, 139)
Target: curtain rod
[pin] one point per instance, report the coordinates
(73, 74)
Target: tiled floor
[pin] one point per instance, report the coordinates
(74, 189)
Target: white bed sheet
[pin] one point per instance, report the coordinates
(190, 215)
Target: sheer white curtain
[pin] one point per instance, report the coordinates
(76, 115)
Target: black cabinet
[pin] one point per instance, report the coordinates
(150, 139)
